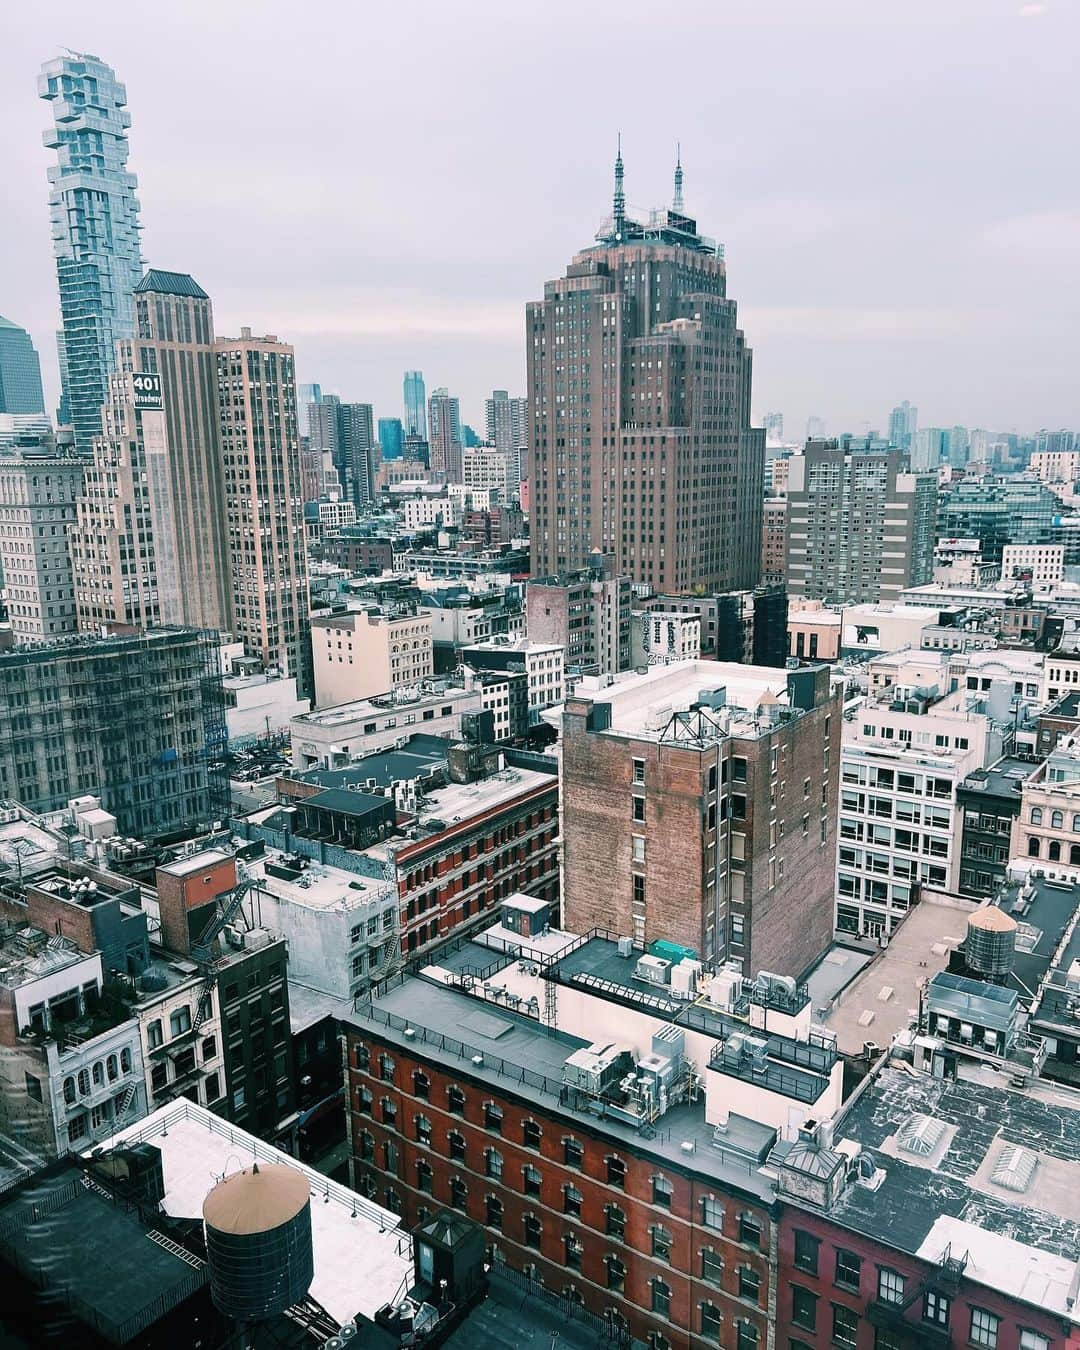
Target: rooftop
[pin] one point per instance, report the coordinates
(349, 1233)
(195, 862)
(29, 954)
(420, 756)
(319, 886)
(171, 283)
(1005, 778)
(341, 714)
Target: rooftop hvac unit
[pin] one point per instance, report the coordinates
(626, 946)
(595, 1067)
(653, 970)
(725, 988)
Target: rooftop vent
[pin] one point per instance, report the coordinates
(920, 1135)
(1014, 1168)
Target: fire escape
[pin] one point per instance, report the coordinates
(202, 949)
(934, 1296)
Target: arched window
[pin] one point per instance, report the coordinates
(1074, 855)
(1057, 820)
(125, 1060)
(1076, 824)
(1036, 815)
(112, 1068)
(1054, 851)
(661, 1296)
(1033, 847)
(84, 1082)
(69, 1090)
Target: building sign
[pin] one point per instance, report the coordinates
(147, 392)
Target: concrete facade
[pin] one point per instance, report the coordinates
(366, 652)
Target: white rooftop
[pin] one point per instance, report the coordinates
(319, 886)
(358, 1267)
(183, 867)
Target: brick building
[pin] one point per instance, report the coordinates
(699, 805)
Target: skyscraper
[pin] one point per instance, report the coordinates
(639, 387)
(306, 395)
(415, 402)
(38, 492)
(95, 227)
(20, 371)
(444, 417)
(391, 437)
(356, 436)
(261, 456)
(903, 424)
(508, 426)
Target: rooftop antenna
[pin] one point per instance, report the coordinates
(619, 206)
(677, 201)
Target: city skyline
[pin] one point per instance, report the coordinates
(857, 289)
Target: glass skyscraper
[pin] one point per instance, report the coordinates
(415, 402)
(391, 437)
(20, 371)
(95, 227)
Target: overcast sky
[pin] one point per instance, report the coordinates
(385, 184)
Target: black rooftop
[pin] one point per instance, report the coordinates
(421, 756)
(346, 802)
(171, 283)
(1003, 779)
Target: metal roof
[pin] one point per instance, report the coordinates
(171, 283)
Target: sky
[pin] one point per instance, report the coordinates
(385, 185)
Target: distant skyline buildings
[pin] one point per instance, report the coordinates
(903, 423)
(95, 227)
(20, 372)
(444, 438)
(391, 437)
(415, 402)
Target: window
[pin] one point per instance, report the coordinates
(616, 1272)
(572, 1199)
(638, 811)
(424, 1176)
(493, 1117)
(660, 1300)
(746, 1336)
(935, 1308)
(710, 1321)
(712, 1265)
(614, 1222)
(367, 1146)
(803, 1308)
(1057, 820)
(455, 1100)
(662, 1191)
(459, 1193)
(749, 1283)
(530, 1134)
(180, 1021)
(389, 1111)
(806, 1251)
(364, 1100)
(845, 1326)
(1036, 815)
(423, 1130)
(712, 1213)
(1033, 846)
(1034, 1340)
(154, 1035)
(848, 1266)
(639, 770)
(533, 1230)
(616, 1172)
(421, 1084)
(661, 1242)
(390, 1157)
(456, 1146)
(637, 848)
(386, 1068)
(530, 1180)
(750, 1229)
(573, 1153)
(984, 1328)
(573, 1251)
(493, 1164)
(890, 1285)
(493, 1212)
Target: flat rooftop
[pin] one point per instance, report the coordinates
(423, 755)
(883, 998)
(319, 886)
(954, 1180)
(1004, 778)
(195, 862)
(349, 1233)
(341, 714)
(26, 848)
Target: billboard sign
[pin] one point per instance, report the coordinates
(147, 391)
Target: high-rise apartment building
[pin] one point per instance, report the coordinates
(132, 720)
(306, 395)
(507, 425)
(860, 527)
(20, 372)
(639, 389)
(356, 434)
(174, 339)
(391, 438)
(699, 806)
(415, 404)
(95, 227)
(37, 507)
(903, 424)
(324, 426)
(445, 448)
(261, 455)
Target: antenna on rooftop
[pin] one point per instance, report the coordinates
(619, 201)
(677, 200)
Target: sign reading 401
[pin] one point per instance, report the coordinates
(147, 391)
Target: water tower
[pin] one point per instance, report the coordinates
(990, 944)
(258, 1241)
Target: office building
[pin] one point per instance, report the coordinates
(391, 438)
(860, 527)
(20, 372)
(444, 436)
(988, 802)
(174, 340)
(661, 637)
(639, 389)
(415, 398)
(485, 468)
(1055, 466)
(95, 227)
(357, 450)
(774, 541)
(507, 423)
(261, 456)
(746, 626)
(587, 614)
(996, 512)
(38, 493)
(699, 807)
(903, 425)
(367, 652)
(133, 720)
(542, 662)
(1042, 565)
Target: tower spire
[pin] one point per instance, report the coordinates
(677, 201)
(619, 202)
